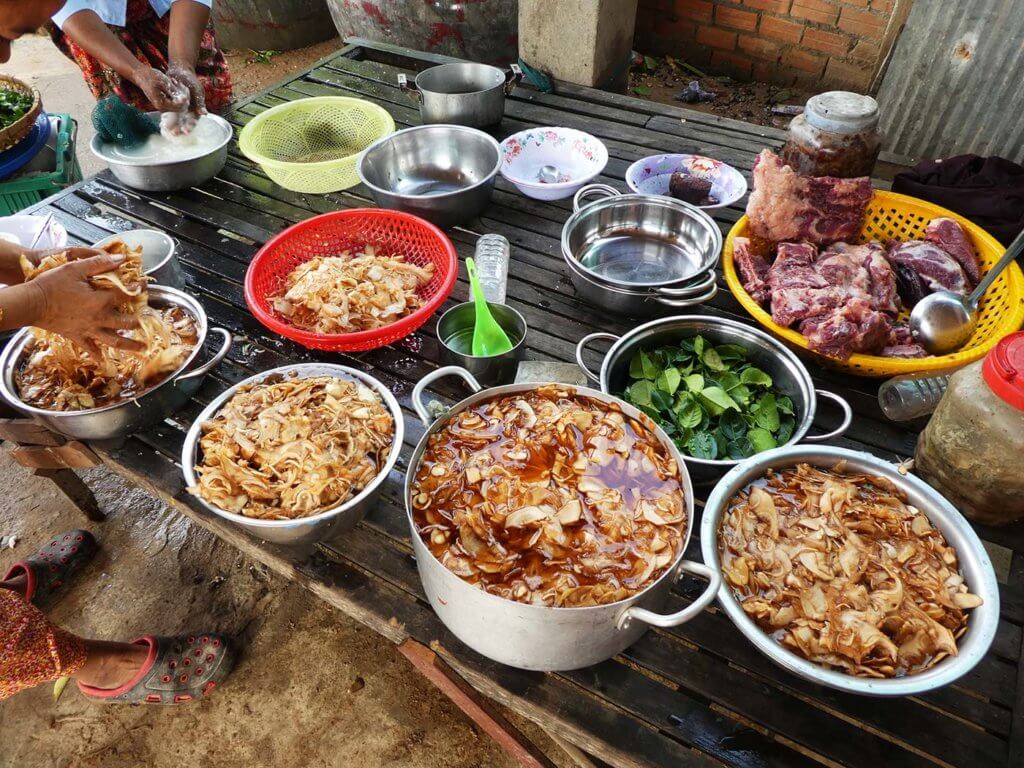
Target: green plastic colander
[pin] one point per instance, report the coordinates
(311, 145)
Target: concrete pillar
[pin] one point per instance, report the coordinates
(582, 41)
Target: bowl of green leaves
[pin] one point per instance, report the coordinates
(722, 391)
(20, 105)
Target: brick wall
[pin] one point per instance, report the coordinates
(816, 44)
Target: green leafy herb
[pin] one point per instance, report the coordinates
(709, 399)
(13, 106)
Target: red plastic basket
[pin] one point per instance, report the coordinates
(329, 235)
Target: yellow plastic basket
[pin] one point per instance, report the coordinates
(898, 217)
(311, 145)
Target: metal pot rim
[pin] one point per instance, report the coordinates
(641, 293)
(499, 84)
(11, 354)
(430, 127)
(982, 622)
(656, 200)
(190, 448)
(771, 343)
(97, 145)
(541, 610)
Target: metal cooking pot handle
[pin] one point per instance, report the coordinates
(430, 378)
(714, 578)
(603, 190)
(689, 301)
(512, 78)
(406, 87)
(689, 290)
(847, 417)
(210, 364)
(583, 345)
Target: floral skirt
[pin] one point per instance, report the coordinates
(145, 35)
(32, 650)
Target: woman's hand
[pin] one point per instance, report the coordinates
(68, 304)
(186, 77)
(163, 93)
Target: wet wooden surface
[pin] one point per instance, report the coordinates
(693, 695)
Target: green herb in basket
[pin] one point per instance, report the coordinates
(13, 106)
(709, 399)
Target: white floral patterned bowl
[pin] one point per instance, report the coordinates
(577, 157)
(650, 176)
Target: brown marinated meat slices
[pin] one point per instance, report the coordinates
(838, 568)
(551, 498)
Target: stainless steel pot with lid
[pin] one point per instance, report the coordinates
(534, 636)
(463, 93)
(974, 564)
(123, 418)
(789, 375)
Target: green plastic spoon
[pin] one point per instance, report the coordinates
(489, 338)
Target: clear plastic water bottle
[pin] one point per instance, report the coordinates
(903, 398)
(492, 255)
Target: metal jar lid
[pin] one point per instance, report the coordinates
(842, 112)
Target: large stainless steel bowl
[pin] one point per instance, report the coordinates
(788, 374)
(974, 565)
(120, 419)
(442, 173)
(304, 530)
(536, 636)
(168, 177)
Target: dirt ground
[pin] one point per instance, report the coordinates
(663, 79)
(314, 688)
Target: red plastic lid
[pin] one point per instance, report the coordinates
(1003, 369)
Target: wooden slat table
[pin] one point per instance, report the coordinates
(695, 695)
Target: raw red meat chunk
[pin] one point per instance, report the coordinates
(952, 238)
(787, 207)
(852, 327)
(752, 269)
(939, 270)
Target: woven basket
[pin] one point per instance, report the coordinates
(898, 217)
(311, 145)
(20, 128)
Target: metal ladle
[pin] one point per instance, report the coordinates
(943, 321)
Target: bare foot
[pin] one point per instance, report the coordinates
(111, 665)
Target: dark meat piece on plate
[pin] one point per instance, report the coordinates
(785, 206)
(952, 238)
(752, 269)
(853, 327)
(690, 189)
(938, 269)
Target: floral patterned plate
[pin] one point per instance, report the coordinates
(577, 157)
(650, 177)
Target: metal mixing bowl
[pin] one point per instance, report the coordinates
(788, 374)
(168, 177)
(159, 254)
(123, 418)
(442, 173)
(974, 565)
(301, 531)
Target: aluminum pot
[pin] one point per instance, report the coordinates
(455, 334)
(788, 374)
(975, 566)
(639, 242)
(463, 93)
(301, 531)
(442, 173)
(168, 177)
(159, 254)
(643, 303)
(124, 418)
(534, 636)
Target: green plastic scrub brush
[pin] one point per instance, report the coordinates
(121, 124)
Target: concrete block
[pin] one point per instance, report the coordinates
(582, 41)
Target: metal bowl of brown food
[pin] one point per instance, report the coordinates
(341, 428)
(119, 407)
(848, 572)
(549, 522)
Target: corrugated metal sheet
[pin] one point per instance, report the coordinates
(954, 83)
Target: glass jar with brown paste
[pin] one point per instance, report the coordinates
(837, 135)
(971, 449)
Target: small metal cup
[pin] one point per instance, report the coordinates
(159, 255)
(455, 332)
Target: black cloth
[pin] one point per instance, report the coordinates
(986, 190)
